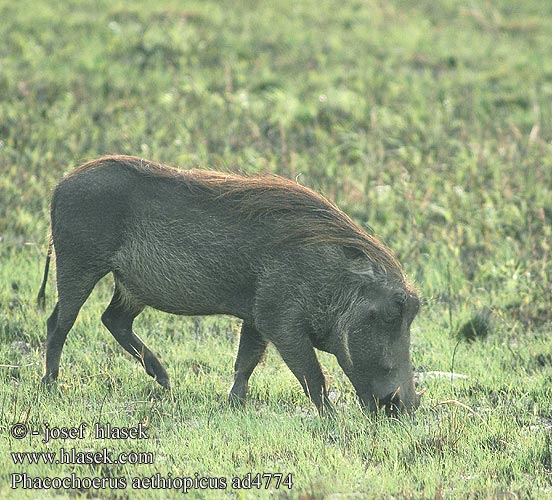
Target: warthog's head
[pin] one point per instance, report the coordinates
(374, 343)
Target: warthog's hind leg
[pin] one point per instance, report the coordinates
(72, 294)
(118, 318)
(250, 352)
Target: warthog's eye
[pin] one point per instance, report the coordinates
(400, 297)
(394, 306)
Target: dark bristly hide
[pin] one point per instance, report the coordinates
(297, 270)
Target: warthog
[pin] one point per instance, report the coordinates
(298, 272)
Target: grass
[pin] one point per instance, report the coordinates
(430, 122)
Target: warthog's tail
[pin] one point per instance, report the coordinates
(41, 297)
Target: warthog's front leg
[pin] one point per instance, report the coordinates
(250, 352)
(298, 354)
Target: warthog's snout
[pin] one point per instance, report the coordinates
(393, 403)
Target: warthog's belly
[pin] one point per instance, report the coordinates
(168, 270)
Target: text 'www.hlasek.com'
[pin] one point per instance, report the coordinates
(104, 457)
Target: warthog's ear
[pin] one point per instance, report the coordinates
(361, 266)
(368, 272)
(357, 262)
(353, 253)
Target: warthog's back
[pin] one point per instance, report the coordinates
(301, 215)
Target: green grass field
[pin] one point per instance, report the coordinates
(430, 122)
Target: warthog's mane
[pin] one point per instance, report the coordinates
(304, 215)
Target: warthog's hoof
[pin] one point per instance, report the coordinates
(235, 400)
(327, 410)
(48, 380)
